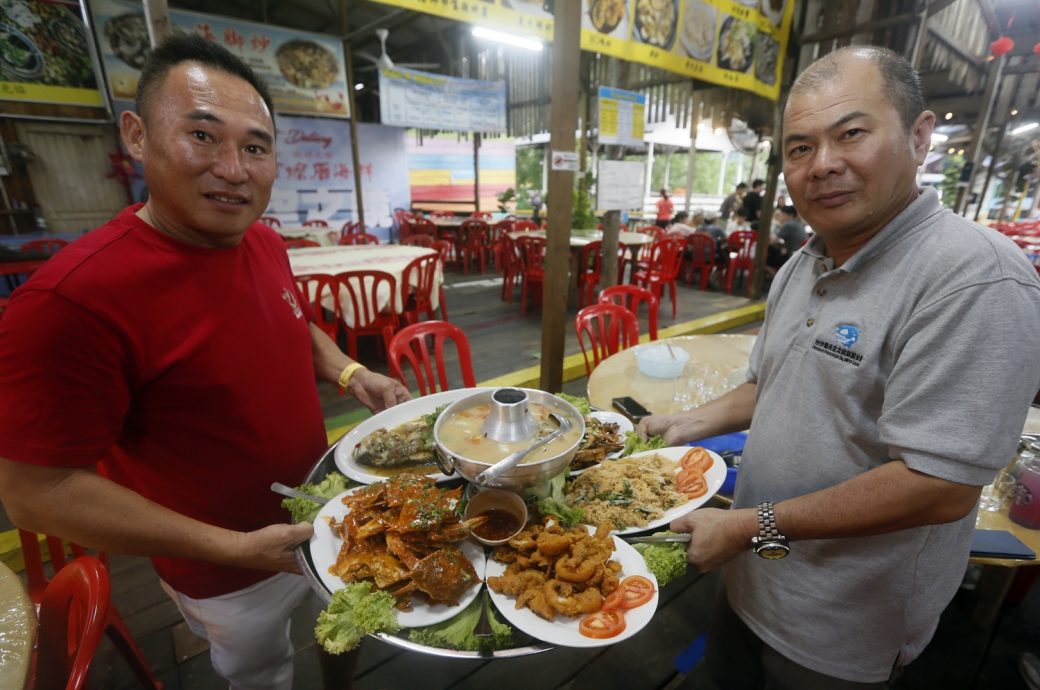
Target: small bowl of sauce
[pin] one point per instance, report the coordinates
(506, 515)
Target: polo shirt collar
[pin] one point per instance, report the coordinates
(913, 216)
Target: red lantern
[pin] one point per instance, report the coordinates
(1001, 46)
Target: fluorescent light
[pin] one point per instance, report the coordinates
(949, 116)
(509, 39)
(358, 86)
(938, 138)
(951, 150)
(1025, 128)
(1014, 111)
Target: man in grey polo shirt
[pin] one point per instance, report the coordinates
(890, 381)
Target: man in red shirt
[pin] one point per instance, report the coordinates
(158, 374)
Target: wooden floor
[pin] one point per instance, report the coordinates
(503, 342)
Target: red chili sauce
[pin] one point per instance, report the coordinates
(500, 525)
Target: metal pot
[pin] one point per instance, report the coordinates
(509, 420)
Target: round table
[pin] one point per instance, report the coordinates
(717, 365)
(17, 631)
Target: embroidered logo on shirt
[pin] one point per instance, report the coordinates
(846, 335)
(290, 299)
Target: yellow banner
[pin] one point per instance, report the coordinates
(65, 95)
(738, 43)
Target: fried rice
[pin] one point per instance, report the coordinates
(626, 493)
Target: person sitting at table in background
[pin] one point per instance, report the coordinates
(733, 201)
(159, 373)
(787, 239)
(718, 234)
(899, 322)
(738, 221)
(683, 226)
(752, 203)
(664, 209)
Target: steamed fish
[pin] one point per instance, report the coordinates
(410, 443)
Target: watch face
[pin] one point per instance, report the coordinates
(772, 550)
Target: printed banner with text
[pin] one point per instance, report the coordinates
(738, 43)
(305, 72)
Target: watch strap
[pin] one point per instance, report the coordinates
(767, 529)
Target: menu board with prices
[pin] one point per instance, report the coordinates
(621, 116)
(410, 98)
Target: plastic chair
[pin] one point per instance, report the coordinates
(662, 268)
(115, 628)
(741, 257)
(481, 215)
(411, 345)
(699, 256)
(351, 227)
(315, 224)
(471, 245)
(300, 243)
(358, 238)
(418, 241)
(529, 255)
(608, 328)
(417, 285)
(525, 226)
(631, 297)
(590, 270)
(494, 243)
(363, 289)
(314, 287)
(442, 214)
(50, 247)
(510, 267)
(424, 226)
(271, 221)
(73, 612)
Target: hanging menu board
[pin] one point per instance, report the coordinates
(621, 116)
(305, 72)
(409, 98)
(619, 185)
(44, 54)
(738, 43)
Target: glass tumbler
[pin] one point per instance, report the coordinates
(1025, 508)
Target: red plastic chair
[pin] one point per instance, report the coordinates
(442, 214)
(424, 226)
(741, 257)
(351, 227)
(418, 241)
(115, 628)
(322, 290)
(663, 264)
(417, 285)
(360, 294)
(358, 238)
(472, 239)
(525, 226)
(300, 243)
(50, 247)
(631, 297)
(271, 221)
(590, 270)
(530, 252)
(510, 267)
(495, 243)
(315, 224)
(699, 256)
(73, 612)
(608, 328)
(481, 215)
(443, 248)
(411, 345)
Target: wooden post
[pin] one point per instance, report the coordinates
(765, 218)
(157, 17)
(359, 208)
(476, 171)
(981, 125)
(694, 121)
(563, 120)
(611, 226)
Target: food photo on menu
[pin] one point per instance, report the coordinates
(404, 551)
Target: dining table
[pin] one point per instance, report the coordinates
(717, 364)
(323, 236)
(17, 631)
(390, 258)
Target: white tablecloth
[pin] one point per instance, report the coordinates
(323, 236)
(391, 258)
(17, 631)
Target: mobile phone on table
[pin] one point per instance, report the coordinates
(630, 407)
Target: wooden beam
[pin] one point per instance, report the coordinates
(563, 121)
(344, 27)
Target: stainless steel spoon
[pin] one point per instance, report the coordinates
(284, 490)
(510, 461)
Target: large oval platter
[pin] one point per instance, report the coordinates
(715, 475)
(563, 630)
(388, 419)
(324, 546)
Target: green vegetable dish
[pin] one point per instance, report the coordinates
(457, 632)
(667, 561)
(354, 612)
(304, 510)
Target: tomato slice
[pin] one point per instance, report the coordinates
(602, 624)
(638, 590)
(697, 458)
(692, 483)
(615, 599)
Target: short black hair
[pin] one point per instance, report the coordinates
(680, 217)
(179, 48)
(740, 211)
(757, 182)
(902, 84)
(789, 210)
(742, 185)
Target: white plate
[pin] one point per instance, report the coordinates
(698, 14)
(624, 426)
(324, 546)
(388, 419)
(563, 630)
(715, 475)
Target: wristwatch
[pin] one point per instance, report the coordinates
(769, 543)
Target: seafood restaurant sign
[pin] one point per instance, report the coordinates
(738, 43)
(304, 71)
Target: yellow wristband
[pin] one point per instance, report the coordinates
(344, 378)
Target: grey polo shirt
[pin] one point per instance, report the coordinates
(923, 346)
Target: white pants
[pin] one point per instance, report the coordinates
(248, 630)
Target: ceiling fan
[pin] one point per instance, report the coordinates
(742, 137)
(383, 61)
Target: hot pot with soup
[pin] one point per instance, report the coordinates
(474, 433)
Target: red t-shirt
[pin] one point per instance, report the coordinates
(186, 372)
(664, 209)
